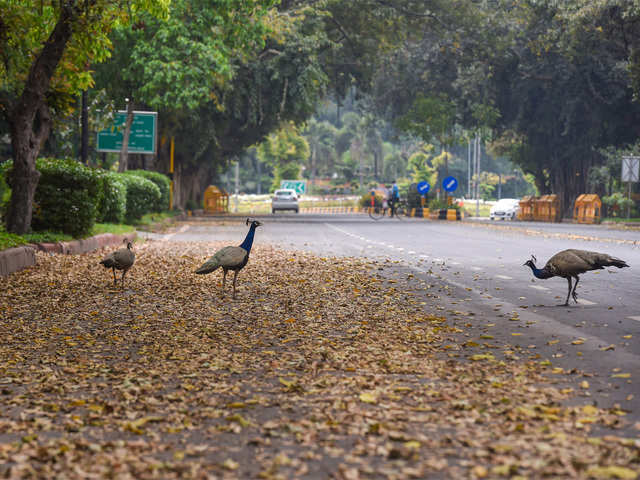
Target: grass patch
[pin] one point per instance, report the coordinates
(621, 220)
(116, 228)
(156, 217)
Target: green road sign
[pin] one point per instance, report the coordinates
(142, 138)
(300, 186)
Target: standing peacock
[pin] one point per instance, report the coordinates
(121, 259)
(571, 263)
(231, 258)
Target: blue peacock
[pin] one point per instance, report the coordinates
(571, 263)
(231, 257)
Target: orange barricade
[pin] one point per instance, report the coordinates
(216, 200)
(587, 208)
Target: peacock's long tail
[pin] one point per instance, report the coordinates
(208, 266)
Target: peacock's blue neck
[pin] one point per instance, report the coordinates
(248, 241)
(541, 273)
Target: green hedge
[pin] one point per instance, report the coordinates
(143, 196)
(70, 197)
(67, 197)
(161, 181)
(113, 207)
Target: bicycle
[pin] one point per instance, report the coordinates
(400, 209)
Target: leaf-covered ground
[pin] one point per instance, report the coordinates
(319, 369)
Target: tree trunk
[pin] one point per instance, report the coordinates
(124, 152)
(84, 134)
(30, 122)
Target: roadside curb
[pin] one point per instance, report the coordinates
(18, 258)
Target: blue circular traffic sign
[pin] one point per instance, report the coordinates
(450, 184)
(423, 187)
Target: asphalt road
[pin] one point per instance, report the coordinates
(476, 270)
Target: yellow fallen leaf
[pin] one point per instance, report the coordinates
(609, 347)
(230, 464)
(589, 410)
(584, 384)
(580, 341)
(412, 444)
(612, 471)
(621, 375)
(478, 357)
(552, 342)
(368, 397)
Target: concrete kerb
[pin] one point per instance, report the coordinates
(18, 258)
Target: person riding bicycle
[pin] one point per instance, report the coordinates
(394, 198)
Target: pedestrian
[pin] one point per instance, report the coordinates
(385, 200)
(394, 196)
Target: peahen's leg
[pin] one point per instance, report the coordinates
(235, 276)
(574, 294)
(568, 293)
(224, 280)
(124, 272)
(113, 269)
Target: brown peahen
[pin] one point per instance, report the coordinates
(231, 258)
(121, 259)
(571, 263)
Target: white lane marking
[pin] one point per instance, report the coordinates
(635, 317)
(504, 277)
(537, 287)
(477, 269)
(586, 302)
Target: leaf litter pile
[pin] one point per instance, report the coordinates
(319, 369)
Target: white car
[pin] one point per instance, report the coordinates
(506, 208)
(284, 199)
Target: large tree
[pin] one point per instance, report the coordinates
(46, 46)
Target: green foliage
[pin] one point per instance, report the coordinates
(113, 207)
(161, 181)
(365, 200)
(618, 203)
(421, 168)
(285, 151)
(430, 118)
(142, 196)
(28, 24)
(67, 196)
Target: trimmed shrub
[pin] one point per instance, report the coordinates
(67, 197)
(162, 182)
(113, 207)
(142, 196)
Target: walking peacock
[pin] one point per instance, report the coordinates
(571, 263)
(121, 259)
(231, 258)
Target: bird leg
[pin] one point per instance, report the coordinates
(115, 282)
(566, 303)
(235, 275)
(124, 272)
(224, 281)
(574, 294)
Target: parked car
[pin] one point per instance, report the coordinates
(284, 199)
(506, 208)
